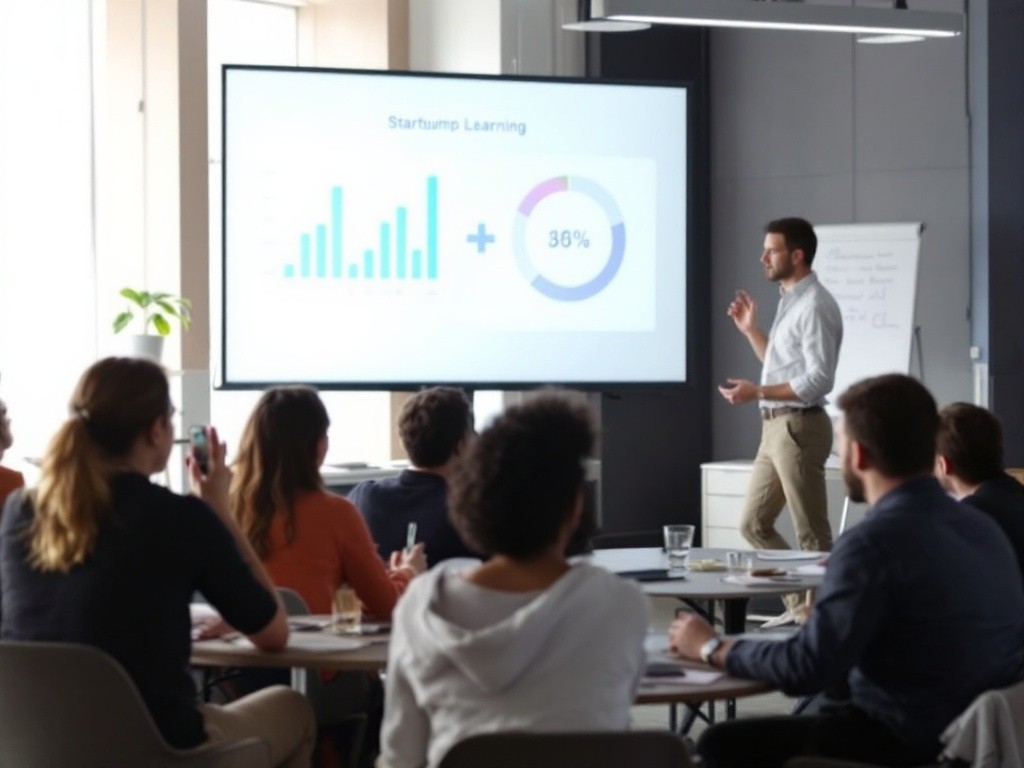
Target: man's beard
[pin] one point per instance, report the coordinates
(783, 272)
(854, 486)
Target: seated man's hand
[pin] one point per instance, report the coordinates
(687, 634)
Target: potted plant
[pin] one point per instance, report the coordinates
(157, 310)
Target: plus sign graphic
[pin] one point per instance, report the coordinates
(482, 238)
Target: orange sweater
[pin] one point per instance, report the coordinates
(9, 481)
(332, 546)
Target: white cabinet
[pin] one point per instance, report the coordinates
(724, 487)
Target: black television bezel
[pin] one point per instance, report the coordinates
(693, 301)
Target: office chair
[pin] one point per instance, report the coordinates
(348, 730)
(650, 749)
(66, 704)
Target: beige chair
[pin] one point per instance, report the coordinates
(349, 730)
(990, 732)
(649, 749)
(73, 705)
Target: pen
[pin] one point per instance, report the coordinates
(410, 537)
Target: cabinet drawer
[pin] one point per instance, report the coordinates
(723, 511)
(725, 482)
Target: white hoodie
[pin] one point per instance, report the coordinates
(467, 660)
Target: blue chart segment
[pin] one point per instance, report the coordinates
(578, 238)
(322, 254)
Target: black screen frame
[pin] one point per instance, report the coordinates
(695, 320)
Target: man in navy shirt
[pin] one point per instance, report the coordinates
(434, 425)
(970, 466)
(907, 612)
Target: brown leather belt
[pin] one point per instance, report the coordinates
(767, 414)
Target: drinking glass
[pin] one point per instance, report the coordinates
(678, 539)
(346, 610)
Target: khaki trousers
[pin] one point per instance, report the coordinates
(789, 470)
(280, 716)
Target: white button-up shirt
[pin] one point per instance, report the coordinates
(803, 344)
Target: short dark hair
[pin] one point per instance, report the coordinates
(971, 438)
(431, 424)
(895, 419)
(798, 234)
(518, 482)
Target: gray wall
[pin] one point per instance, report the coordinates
(818, 126)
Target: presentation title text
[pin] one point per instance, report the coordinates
(470, 125)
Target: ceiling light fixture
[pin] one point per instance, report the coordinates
(586, 23)
(772, 14)
(883, 38)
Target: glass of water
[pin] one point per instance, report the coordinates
(678, 540)
(346, 610)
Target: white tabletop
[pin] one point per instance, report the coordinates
(706, 585)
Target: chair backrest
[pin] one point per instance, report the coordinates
(650, 749)
(65, 704)
(990, 731)
(294, 605)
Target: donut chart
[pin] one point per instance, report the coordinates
(553, 289)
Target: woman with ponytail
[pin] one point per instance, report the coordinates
(99, 555)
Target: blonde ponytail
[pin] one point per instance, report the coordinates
(71, 497)
(115, 401)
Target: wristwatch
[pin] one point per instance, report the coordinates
(708, 649)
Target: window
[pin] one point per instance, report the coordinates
(47, 306)
(245, 32)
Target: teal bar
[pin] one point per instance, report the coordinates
(336, 231)
(432, 227)
(289, 270)
(400, 243)
(385, 250)
(353, 270)
(321, 250)
(304, 257)
(417, 272)
(368, 263)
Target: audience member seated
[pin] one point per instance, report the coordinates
(525, 641)
(310, 540)
(970, 466)
(97, 554)
(9, 479)
(921, 607)
(434, 426)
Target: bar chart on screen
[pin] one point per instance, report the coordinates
(322, 252)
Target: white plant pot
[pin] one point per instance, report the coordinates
(146, 346)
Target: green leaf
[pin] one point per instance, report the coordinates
(167, 307)
(122, 320)
(131, 295)
(161, 325)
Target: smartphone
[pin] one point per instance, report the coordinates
(664, 669)
(652, 574)
(199, 447)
